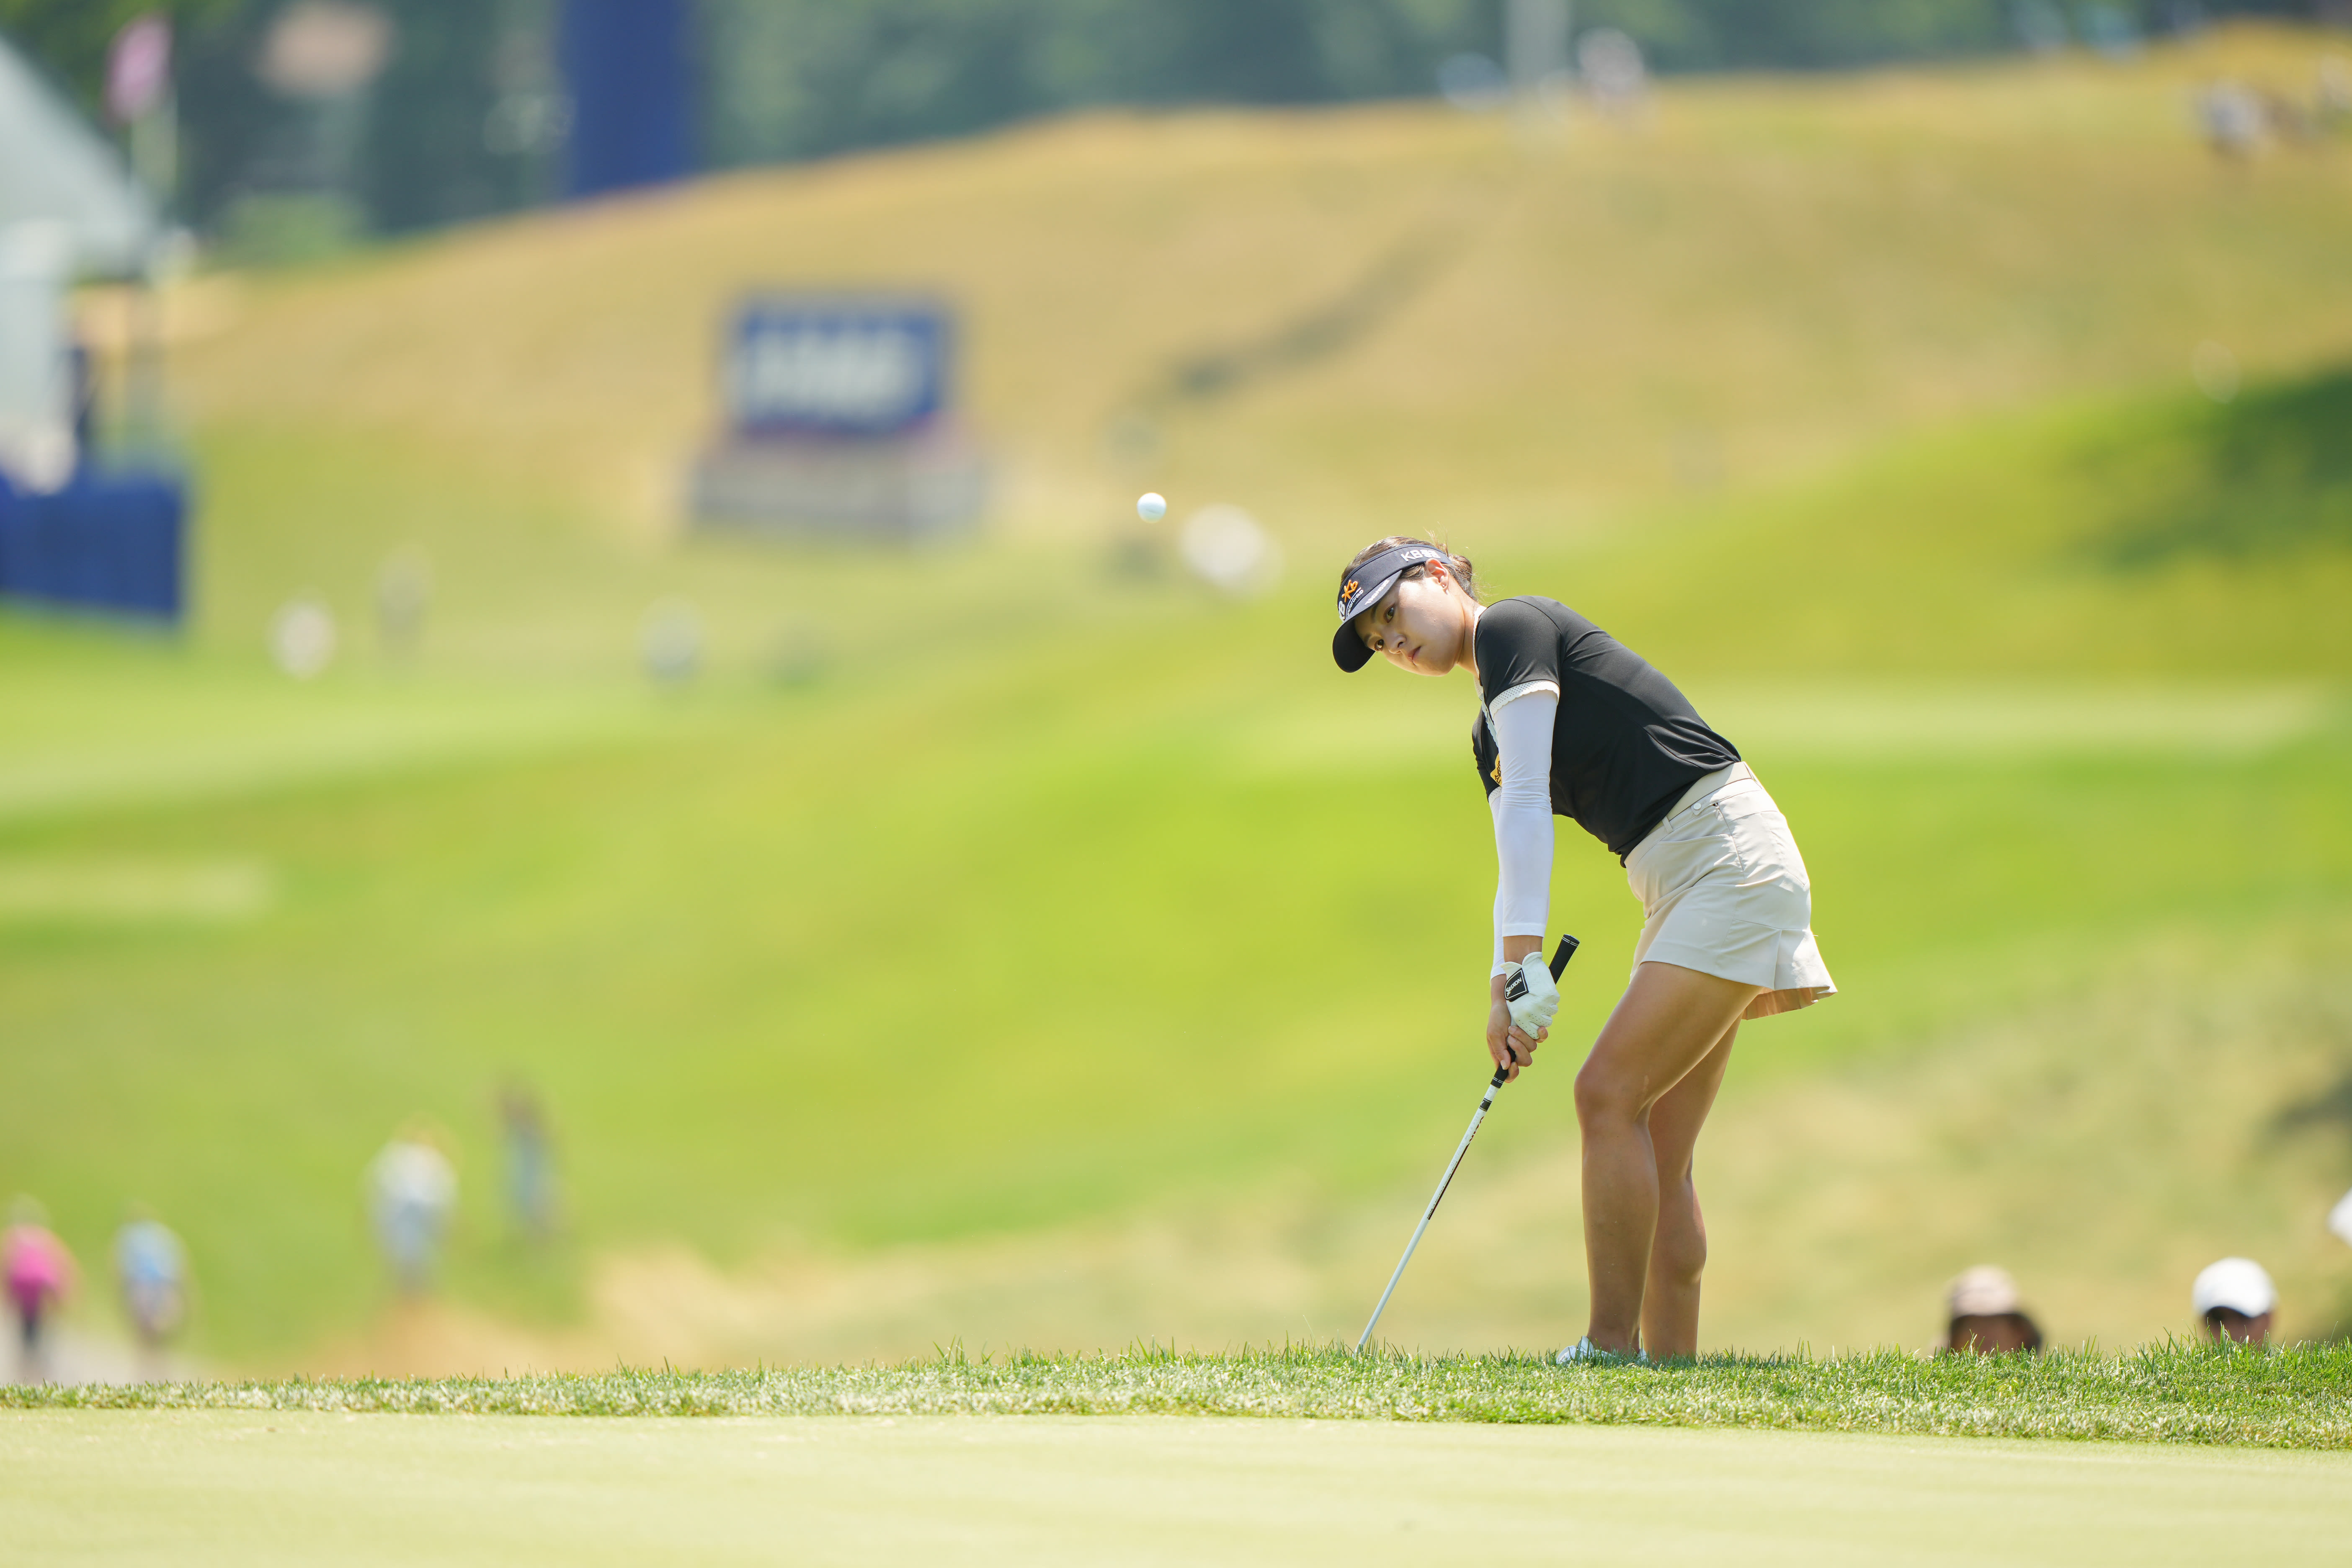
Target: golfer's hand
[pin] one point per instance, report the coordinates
(1510, 1046)
(1538, 1001)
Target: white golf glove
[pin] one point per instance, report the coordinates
(1534, 1010)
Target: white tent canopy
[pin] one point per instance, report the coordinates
(54, 169)
(68, 209)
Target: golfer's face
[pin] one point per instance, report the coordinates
(1414, 626)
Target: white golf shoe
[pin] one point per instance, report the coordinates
(1585, 1351)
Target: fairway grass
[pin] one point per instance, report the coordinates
(258, 1488)
(2295, 1398)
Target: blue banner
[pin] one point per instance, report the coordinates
(108, 543)
(836, 367)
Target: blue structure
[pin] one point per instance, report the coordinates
(627, 65)
(840, 422)
(104, 541)
(817, 366)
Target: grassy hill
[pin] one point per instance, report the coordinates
(984, 893)
(1350, 320)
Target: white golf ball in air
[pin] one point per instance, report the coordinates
(1151, 506)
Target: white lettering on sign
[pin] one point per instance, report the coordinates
(849, 373)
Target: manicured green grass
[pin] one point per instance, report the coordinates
(267, 1487)
(2293, 1398)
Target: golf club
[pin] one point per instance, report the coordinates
(1518, 988)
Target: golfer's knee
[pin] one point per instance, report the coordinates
(1604, 1098)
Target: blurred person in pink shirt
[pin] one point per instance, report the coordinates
(39, 1274)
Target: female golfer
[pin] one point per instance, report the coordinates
(1571, 721)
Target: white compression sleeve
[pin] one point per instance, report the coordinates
(1522, 812)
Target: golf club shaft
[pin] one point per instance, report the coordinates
(1485, 1101)
(1559, 966)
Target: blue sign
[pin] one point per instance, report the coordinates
(108, 542)
(836, 367)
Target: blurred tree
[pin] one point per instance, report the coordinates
(426, 160)
(789, 78)
(69, 38)
(1685, 35)
(464, 121)
(1812, 35)
(1247, 51)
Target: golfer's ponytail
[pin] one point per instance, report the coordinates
(1458, 565)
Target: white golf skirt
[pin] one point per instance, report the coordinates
(1723, 891)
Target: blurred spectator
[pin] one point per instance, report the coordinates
(2233, 119)
(39, 1273)
(302, 637)
(670, 641)
(1986, 1316)
(411, 1188)
(2332, 106)
(150, 1267)
(2286, 117)
(2235, 1301)
(1616, 78)
(404, 591)
(530, 1163)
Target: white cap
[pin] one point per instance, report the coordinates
(2238, 1283)
(1983, 1292)
(2339, 1218)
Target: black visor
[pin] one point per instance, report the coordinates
(1365, 586)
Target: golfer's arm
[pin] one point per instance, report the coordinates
(1523, 829)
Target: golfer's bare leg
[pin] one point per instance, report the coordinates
(1668, 1021)
(1678, 1246)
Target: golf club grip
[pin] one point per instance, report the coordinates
(1561, 954)
(1559, 966)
